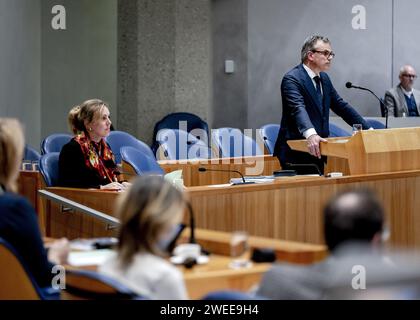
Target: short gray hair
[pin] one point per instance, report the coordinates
(309, 45)
(405, 67)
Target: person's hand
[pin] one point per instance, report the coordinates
(313, 145)
(113, 186)
(59, 251)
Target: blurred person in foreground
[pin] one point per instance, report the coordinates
(150, 212)
(353, 230)
(18, 219)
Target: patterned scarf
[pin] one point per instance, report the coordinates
(99, 157)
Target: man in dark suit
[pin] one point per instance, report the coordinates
(307, 96)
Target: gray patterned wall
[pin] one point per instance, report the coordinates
(166, 53)
(80, 62)
(277, 30)
(149, 58)
(20, 69)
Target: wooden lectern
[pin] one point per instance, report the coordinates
(370, 151)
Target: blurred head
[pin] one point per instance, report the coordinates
(148, 211)
(92, 118)
(407, 77)
(355, 216)
(12, 144)
(316, 53)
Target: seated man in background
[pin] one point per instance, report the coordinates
(353, 222)
(403, 100)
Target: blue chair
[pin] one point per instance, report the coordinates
(193, 124)
(118, 139)
(141, 162)
(48, 166)
(375, 124)
(86, 284)
(231, 142)
(336, 131)
(30, 154)
(178, 144)
(16, 280)
(54, 142)
(269, 134)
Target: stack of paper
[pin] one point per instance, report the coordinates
(89, 258)
(255, 179)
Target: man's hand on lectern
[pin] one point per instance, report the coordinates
(313, 145)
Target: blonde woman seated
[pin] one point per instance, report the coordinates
(87, 160)
(149, 211)
(18, 219)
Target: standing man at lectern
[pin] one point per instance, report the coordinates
(403, 100)
(307, 96)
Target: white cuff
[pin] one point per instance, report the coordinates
(309, 133)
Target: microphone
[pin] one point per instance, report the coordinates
(201, 169)
(383, 109)
(350, 85)
(302, 165)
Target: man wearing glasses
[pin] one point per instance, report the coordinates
(307, 96)
(403, 100)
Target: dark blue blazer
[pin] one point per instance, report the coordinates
(302, 109)
(19, 227)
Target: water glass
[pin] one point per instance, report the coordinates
(357, 127)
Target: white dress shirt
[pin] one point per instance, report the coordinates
(311, 131)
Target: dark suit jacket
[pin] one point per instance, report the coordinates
(302, 110)
(19, 227)
(73, 171)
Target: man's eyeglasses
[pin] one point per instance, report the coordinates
(325, 53)
(412, 76)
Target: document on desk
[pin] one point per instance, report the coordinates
(89, 258)
(255, 179)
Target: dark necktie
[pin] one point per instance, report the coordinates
(412, 107)
(318, 88)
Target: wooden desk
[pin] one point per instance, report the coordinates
(371, 151)
(248, 166)
(217, 275)
(288, 209)
(291, 208)
(29, 182)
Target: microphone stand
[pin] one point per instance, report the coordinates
(382, 104)
(192, 223)
(385, 113)
(202, 169)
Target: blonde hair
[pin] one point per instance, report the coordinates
(87, 111)
(151, 206)
(12, 144)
